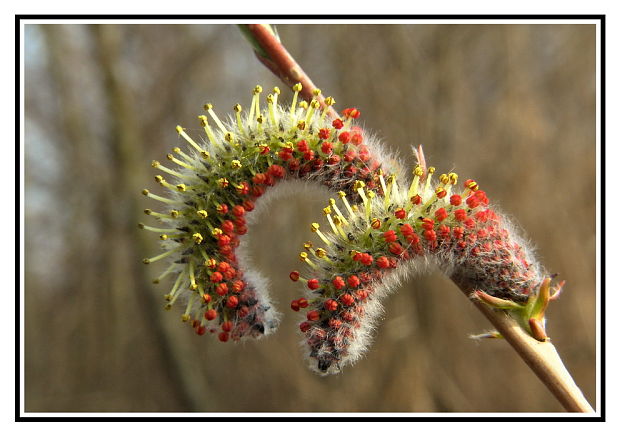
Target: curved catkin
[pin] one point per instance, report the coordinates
(377, 227)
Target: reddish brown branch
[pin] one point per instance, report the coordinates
(282, 64)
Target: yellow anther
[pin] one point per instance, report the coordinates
(258, 89)
(179, 129)
(211, 263)
(181, 187)
(444, 179)
(216, 231)
(329, 101)
(163, 237)
(375, 223)
(176, 150)
(314, 227)
(208, 107)
(303, 104)
(320, 252)
(148, 211)
(371, 194)
(185, 318)
(229, 137)
(222, 182)
(159, 179)
(453, 178)
(276, 90)
(297, 87)
(359, 184)
(197, 238)
(473, 185)
(316, 91)
(315, 104)
(169, 157)
(327, 210)
(269, 98)
(260, 119)
(235, 163)
(237, 108)
(202, 213)
(342, 194)
(154, 164)
(303, 256)
(355, 208)
(418, 171)
(302, 124)
(174, 213)
(308, 245)
(431, 170)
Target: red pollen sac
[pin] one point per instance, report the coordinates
(227, 326)
(406, 229)
(222, 208)
(232, 301)
(460, 215)
(221, 289)
(248, 205)
(458, 232)
(444, 231)
(228, 227)
(389, 236)
(294, 165)
(353, 281)
(347, 300)
(313, 284)
(337, 123)
(396, 249)
(416, 200)
(243, 188)
(238, 210)
(302, 146)
(400, 213)
(350, 155)
(285, 154)
(326, 147)
(324, 133)
(313, 315)
(383, 262)
(223, 266)
(200, 330)
(338, 282)
(344, 137)
(216, 277)
(441, 214)
(366, 259)
(238, 286)
(264, 149)
(276, 171)
(428, 224)
(472, 201)
(430, 235)
(330, 305)
(455, 200)
(333, 160)
(357, 139)
(351, 113)
(469, 223)
(304, 326)
(295, 305)
(223, 337)
(334, 323)
(210, 314)
(294, 275)
(303, 302)
(308, 155)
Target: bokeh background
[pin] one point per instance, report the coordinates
(512, 106)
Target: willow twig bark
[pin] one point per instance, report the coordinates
(541, 357)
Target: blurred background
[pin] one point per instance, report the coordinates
(512, 106)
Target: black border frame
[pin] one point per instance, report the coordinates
(165, 417)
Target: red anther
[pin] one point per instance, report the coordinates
(304, 326)
(366, 259)
(348, 316)
(313, 284)
(430, 235)
(257, 191)
(358, 256)
(361, 294)
(313, 315)
(243, 188)
(412, 238)
(309, 155)
(482, 233)
(472, 201)
(223, 266)
(238, 286)
(227, 326)
(295, 305)
(406, 229)
(441, 214)
(455, 200)
(334, 323)
(390, 236)
(294, 165)
(351, 113)
(200, 330)
(232, 301)
(222, 208)
(242, 230)
(326, 147)
(294, 275)
(462, 244)
(221, 289)
(357, 139)
(469, 223)
(223, 240)
(223, 336)
(216, 277)
(302, 146)
(344, 137)
(324, 133)
(444, 231)
(276, 171)
(375, 223)
(243, 312)
(259, 178)
(303, 302)
(333, 160)
(460, 215)
(230, 274)
(227, 226)
(383, 262)
(428, 224)
(285, 154)
(481, 216)
(330, 305)
(206, 297)
(400, 213)
(248, 205)
(238, 210)
(440, 193)
(353, 281)
(416, 200)
(471, 184)
(350, 155)
(210, 314)
(263, 149)
(364, 154)
(337, 123)
(475, 251)
(396, 249)
(347, 299)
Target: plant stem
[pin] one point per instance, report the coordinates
(541, 357)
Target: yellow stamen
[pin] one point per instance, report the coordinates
(329, 101)
(192, 279)
(171, 157)
(303, 256)
(150, 195)
(205, 124)
(202, 213)
(296, 89)
(166, 272)
(343, 197)
(237, 108)
(156, 164)
(314, 227)
(161, 256)
(209, 108)
(197, 237)
(339, 214)
(187, 138)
